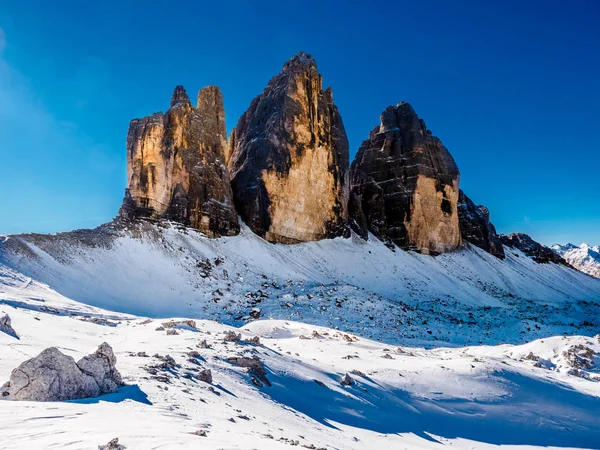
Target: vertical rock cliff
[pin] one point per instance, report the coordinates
(288, 159)
(176, 165)
(476, 228)
(405, 185)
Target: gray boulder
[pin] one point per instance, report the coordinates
(54, 376)
(6, 327)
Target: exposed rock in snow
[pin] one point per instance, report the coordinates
(113, 444)
(584, 258)
(6, 326)
(347, 380)
(54, 376)
(205, 375)
(254, 367)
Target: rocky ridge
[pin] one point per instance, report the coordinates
(476, 228)
(538, 252)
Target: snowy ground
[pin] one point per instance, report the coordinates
(465, 297)
(429, 343)
(403, 397)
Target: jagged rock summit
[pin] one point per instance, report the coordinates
(288, 159)
(176, 165)
(405, 185)
(476, 228)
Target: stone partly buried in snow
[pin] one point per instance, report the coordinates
(54, 376)
(476, 228)
(405, 185)
(288, 159)
(176, 165)
(538, 252)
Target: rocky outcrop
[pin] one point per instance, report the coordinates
(405, 183)
(288, 159)
(176, 165)
(476, 228)
(6, 326)
(53, 376)
(538, 252)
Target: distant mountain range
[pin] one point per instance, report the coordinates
(584, 258)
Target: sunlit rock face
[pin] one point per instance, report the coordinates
(288, 159)
(176, 165)
(405, 185)
(476, 228)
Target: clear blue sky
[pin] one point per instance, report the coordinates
(511, 88)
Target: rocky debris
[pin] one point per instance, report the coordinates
(6, 326)
(187, 323)
(358, 373)
(54, 376)
(204, 375)
(203, 344)
(405, 185)
(232, 336)
(476, 228)
(99, 321)
(201, 433)
(254, 367)
(538, 252)
(347, 380)
(531, 357)
(288, 159)
(172, 332)
(112, 445)
(255, 340)
(176, 166)
(579, 357)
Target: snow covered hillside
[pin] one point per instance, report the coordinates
(539, 394)
(585, 257)
(465, 297)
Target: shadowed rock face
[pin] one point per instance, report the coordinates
(288, 159)
(176, 165)
(405, 183)
(538, 252)
(476, 228)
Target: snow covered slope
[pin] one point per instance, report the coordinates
(464, 297)
(585, 258)
(535, 395)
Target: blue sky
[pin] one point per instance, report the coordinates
(511, 88)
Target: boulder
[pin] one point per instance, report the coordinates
(405, 185)
(476, 228)
(176, 166)
(288, 159)
(54, 376)
(6, 326)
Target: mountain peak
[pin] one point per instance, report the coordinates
(299, 62)
(179, 96)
